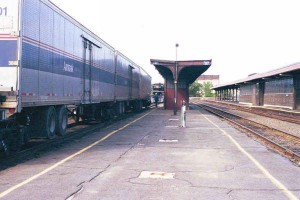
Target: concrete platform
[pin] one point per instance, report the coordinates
(154, 158)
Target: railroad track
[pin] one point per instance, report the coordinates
(285, 143)
(37, 147)
(275, 114)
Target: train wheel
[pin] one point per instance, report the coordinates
(61, 120)
(26, 135)
(137, 106)
(98, 113)
(121, 108)
(77, 115)
(4, 150)
(48, 122)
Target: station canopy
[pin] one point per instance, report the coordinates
(286, 71)
(187, 70)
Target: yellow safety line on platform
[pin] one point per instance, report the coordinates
(276, 182)
(6, 192)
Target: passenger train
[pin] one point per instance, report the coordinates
(50, 65)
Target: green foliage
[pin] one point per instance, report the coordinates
(207, 85)
(201, 90)
(195, 90)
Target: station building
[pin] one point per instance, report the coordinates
(214, 79)
(277, 88)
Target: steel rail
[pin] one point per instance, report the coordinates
(275, 114)
(283, 150)
(288, 135)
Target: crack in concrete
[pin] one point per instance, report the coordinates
(109, 165)
(228, 194)
(80, 189)
(81, 184)
(195, 148)
(99, 173)
(77, 167)
(184, 180)
(210, 171)
(230, 190)
(130, 180)
(115, 144)
(239, 189)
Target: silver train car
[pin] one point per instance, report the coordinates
(50, 65)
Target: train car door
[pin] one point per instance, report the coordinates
(130, 80)
(88, 61)
(87, 71)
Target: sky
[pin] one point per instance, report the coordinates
(240, 36)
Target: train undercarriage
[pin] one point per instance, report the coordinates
(52, 121)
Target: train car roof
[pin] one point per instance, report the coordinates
(66, 15)
(119, 53)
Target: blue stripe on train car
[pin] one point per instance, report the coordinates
(47, 61)
(8, 52)
(122, 81)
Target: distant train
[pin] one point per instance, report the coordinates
(50, 65)
(159, 89)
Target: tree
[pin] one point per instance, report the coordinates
(195, 90)
(207, 85)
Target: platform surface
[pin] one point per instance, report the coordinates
(155, 158)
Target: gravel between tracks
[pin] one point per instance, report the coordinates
(287, 127)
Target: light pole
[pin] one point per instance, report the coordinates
(175, 81)
(176, 45)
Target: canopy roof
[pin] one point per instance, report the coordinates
(188, 70)
(277, 73)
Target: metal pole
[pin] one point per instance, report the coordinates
(175, 90)
(183, 114)
(175, 82)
